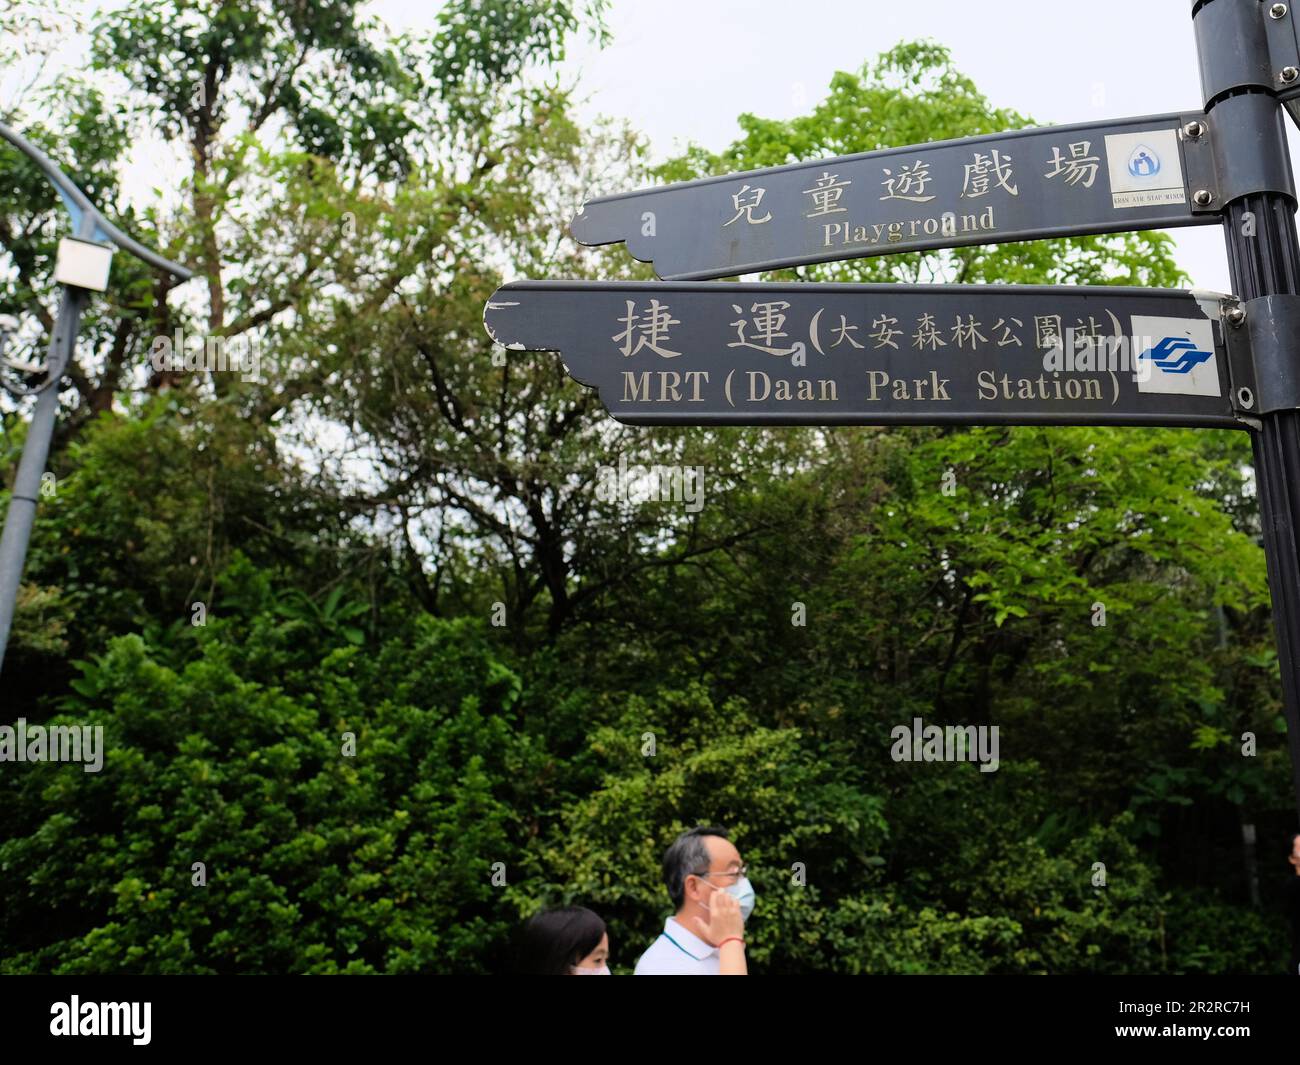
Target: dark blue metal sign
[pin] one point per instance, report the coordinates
(716, 353)
(1125, 174)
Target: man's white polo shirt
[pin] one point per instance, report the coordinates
(678, 952)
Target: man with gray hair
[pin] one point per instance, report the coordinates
(712, 899)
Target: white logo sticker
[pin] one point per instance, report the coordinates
(1144, 168)
(1175, 356)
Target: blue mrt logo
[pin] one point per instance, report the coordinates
(1175, 355)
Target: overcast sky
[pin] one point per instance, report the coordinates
(682, 70)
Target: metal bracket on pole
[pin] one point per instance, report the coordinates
(1232, 46)
(1272, 65)
(1262, 336)
(1237, 150)
(1245, 46)
(1280, 31)
(1249, 56)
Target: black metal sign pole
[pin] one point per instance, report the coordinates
(1237, 76)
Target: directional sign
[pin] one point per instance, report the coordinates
(1053, 181)
(716, 353)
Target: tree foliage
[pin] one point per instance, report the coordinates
(437, 682)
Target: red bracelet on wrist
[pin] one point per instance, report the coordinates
(738, 939)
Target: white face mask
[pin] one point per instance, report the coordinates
(602, 971)
(743, 892)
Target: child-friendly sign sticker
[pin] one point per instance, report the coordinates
(1144, 168)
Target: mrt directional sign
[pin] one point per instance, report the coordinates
(717, 353)
(1124, 174)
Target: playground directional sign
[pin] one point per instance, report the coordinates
(717, 353)
(1098, 177)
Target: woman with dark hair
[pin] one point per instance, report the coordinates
(567, 941)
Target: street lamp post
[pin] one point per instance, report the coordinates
(82, 267)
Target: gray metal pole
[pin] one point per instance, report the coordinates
(90, 225)
(36, 451)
